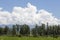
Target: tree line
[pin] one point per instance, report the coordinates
(24, 30)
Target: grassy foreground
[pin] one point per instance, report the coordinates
(28, 38)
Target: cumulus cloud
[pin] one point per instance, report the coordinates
(28, 15)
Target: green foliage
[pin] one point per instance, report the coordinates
(25, 30)
(1, 30)
(6, 29)
(34, 32)
(14, 30)
(41, 30)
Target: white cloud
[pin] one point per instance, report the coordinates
(28, 15)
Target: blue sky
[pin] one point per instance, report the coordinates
(49, 5)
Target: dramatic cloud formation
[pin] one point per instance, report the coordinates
(28, 15)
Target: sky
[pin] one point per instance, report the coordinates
(32, 11)
(49, 5)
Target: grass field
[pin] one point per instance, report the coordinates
(28, 38)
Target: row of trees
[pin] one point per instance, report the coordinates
(16, 30)
(45, 30)
(24, 30)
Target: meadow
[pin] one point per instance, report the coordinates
(28, 38)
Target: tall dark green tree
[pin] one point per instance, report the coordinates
(6, 29)
(36, 28)
(14, 30)
(1, 30)
(42, 29)
(34, 32)
(39, 31)
(25, 30)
